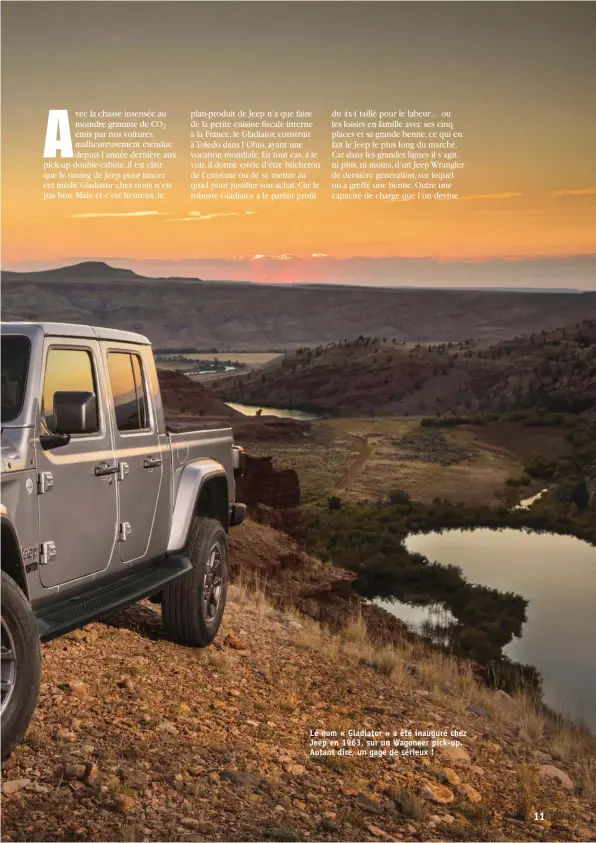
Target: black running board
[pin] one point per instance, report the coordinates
(72, 612)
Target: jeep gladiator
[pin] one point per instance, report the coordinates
(102, 504)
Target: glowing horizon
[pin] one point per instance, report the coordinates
(526, 191)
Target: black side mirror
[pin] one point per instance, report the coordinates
(75, 412)
(49, 441)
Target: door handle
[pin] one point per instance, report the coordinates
(151, 462)
(105, 468)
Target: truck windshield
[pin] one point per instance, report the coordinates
(14, 364)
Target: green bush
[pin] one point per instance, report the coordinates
(400, 498)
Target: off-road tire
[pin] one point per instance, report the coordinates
(186, 617)
(19, 637)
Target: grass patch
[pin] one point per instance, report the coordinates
(530, 719)
(410, 805)
(450, 679)
(587, 778)
(526, 791)
(356, 631)
(388, 661)
(571, 742)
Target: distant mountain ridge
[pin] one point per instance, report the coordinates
(191, 313)
(76, 272)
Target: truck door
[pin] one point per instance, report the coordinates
(138, 452)
(77, 506)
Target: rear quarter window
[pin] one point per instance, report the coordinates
(128, 391)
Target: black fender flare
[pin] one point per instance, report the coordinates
(12, 560)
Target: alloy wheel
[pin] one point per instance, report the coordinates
(212, 583)
(8, 666)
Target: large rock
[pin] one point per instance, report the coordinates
(74, 771)
(504, 699)
(451, 776)
(457, 755)
(137, 779)
(239, 778)
(368, 804)
(262, 483)
(124, 803)
(547, 771)
(471, 793)
(10, 787)
(437, 793)
(479, 710)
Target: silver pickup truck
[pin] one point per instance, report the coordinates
(102, 504)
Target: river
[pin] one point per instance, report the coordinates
(557, 575)
(250, 410)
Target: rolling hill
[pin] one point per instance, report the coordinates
(550, 370)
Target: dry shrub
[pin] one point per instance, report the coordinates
(528, 711)
(410, 805)
(527, 788)
(569, 742)
(307, 633)
(532, 728)
(289, 700)
(485, 697)
(250, 589)
(222, 661)
(238, 590)
(36, 737)
(587, 779)
(438, 670)
(563, 743)
(357, 653)
(355, 630)
(355, 643)
(388, 661)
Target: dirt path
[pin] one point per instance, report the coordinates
(357, 465)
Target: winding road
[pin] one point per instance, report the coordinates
(357, 464)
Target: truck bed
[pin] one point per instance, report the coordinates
(195, 425)
(187, 443)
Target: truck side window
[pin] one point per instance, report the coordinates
(66, 369)
(15, 364)
(128, 391)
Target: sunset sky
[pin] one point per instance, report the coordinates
(519, 79)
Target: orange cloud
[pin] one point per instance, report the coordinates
(276, 257)
(582, 191)
(117, 214)
(199, 216)
(492, 196)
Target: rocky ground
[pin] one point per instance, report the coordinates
(136, 738)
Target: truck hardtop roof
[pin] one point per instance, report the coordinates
(67, 329)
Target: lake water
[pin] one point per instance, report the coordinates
(526, 503)
(250, 410)
(557, 575)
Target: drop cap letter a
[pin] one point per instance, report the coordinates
(58, 135)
